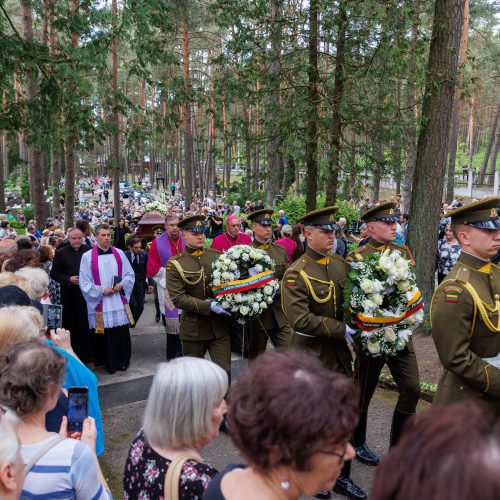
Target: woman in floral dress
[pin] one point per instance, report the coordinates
(184, 411)
(448, 253)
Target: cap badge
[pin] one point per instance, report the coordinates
(198, 223)
(332, 218)
(391, 211)
(494, 212)
(267, 216)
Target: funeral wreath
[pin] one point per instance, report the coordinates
(383, 302)
(247, 297)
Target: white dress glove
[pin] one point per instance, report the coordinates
(349, 332)
(217, 309)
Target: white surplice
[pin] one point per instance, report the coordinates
(113, 309)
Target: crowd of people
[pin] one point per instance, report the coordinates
(299, 413)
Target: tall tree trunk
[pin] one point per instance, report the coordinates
(115, 139)
(274, 102)
(378, 158)
(3, 177)
(36, 165)
(313, 103)
(494, 155)
(72, 138)
(433, 140)
(413, 110)
(489, 147)
(457, 108)
(471, 130)
(336, 124)
(188, 133)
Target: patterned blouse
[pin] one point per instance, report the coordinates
(447, 256)
(145, 471)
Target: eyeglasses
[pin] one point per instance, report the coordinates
(339, 454)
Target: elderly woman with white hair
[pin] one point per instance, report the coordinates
(11, 462)
(184, 411)
(39, 283)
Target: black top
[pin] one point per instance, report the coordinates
(66, 263)
(213, 492)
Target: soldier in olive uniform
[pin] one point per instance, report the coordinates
(312, 298)
(271, 324)
(381, 225)
(203, 324)
(465, 309)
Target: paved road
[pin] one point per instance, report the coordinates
(123, 396)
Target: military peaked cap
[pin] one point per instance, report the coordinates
(323, 218)
(261, 216)
(481, 214)
(194, 224)
(385, 212)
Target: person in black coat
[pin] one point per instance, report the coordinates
(120, 231)
(139, 260)
(65, 270)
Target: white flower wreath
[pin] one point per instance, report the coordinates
(383, 301)
(247, 297)
(156, 206)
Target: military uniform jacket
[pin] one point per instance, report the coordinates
(465, 328)
(373, 246)
(273, 317)
(312, 298)
(187, 277)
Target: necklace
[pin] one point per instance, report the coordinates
(229, 241)
(176, 246)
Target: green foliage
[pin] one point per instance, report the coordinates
(11, 183)
(345, 209)
(17, 224)
(426, 325)
(29, 213)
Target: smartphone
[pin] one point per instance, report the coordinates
(78, 407)
(52, 316)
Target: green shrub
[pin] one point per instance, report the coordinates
(29, 212)
(16, 224)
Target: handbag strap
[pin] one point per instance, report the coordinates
(172, 477)
(41, 452)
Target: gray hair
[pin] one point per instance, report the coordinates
(102, 227)
(38, 280)
(9, 444)
(286, 230)
(181, 400)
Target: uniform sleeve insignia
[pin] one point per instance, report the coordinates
(451, 297)
(453, 289)
(290, 282)
(291, 275)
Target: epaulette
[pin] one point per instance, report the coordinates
(496, 266)
(463, 274)
(179, 255)
(213, 250)
(299, 264)
(399, 245)
(336, 256)
(355, 255)
(279, 247)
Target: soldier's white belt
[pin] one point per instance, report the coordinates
(304, 334)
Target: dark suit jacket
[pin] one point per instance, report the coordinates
(140, 270)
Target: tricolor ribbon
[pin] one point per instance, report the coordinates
(237, 286)
(369, 323)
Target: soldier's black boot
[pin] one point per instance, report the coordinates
(346, 486)
(363, 452)
(399, 419)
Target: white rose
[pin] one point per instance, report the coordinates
(268, 290)
(226, 276)
(227, 262)
(389, 335)
(216, 282)
(404, 335)
(385, 263)
(244, 310)
(225, 304)
(216, 273)
(263, 305)
(368, 305)
(373, 346)
(236, 254)
(377, 298)
(367, 286)
(255, 306)
(238, 297)
(378, 286)
(252, 254)
(233, 266)
(259, 268)
(403, 286)
(245, 257)
(400, 345)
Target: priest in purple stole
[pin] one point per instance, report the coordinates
(165, 246)
(106, 282)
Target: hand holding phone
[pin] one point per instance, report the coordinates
(52, 316)
(77, 408)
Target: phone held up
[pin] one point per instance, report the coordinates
(52, 316)
(78, 407)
